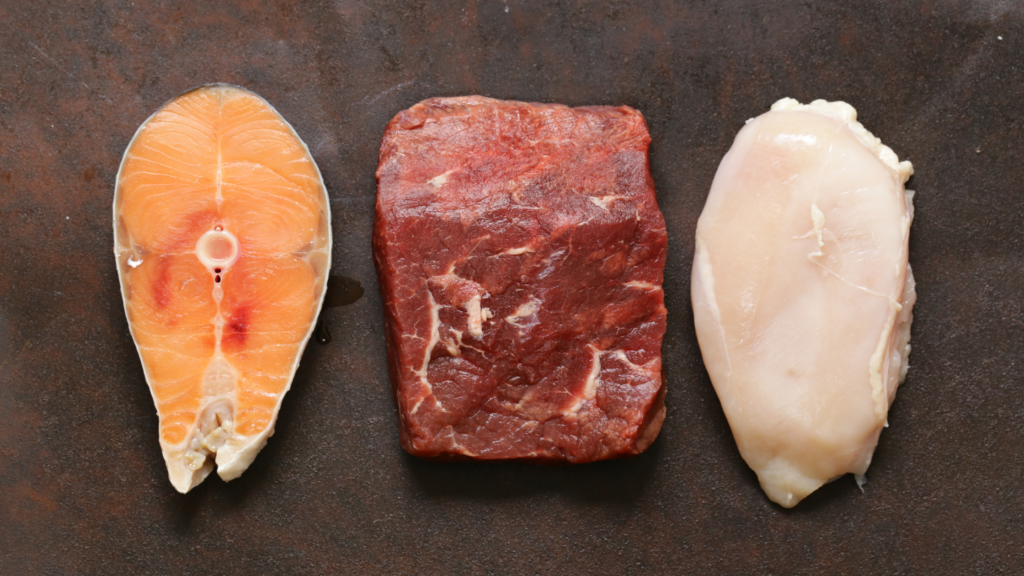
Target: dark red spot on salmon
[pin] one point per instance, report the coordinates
(236, 330)
(162, 283)
(190, 228)
(89, 174)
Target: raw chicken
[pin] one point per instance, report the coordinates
(802, 293)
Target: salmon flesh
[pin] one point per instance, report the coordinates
(222, 237)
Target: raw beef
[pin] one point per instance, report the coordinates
(520, 251)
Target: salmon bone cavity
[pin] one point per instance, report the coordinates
(217, 249)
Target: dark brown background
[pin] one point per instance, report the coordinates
(83, 489)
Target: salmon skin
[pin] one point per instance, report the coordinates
(222, 235)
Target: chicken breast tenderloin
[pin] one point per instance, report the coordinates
(802, 293)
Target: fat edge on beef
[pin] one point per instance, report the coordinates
(521, 253)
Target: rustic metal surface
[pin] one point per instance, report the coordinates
(83, 489)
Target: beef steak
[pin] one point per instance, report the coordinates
(521, 252)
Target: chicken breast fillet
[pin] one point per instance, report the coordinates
(802, 293)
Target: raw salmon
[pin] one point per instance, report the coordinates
(223, 242)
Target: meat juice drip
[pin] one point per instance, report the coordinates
(323, 334)
(341, 291)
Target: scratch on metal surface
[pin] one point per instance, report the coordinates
(49, 58)
(389, 90)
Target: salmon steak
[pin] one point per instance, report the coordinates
(222, 237)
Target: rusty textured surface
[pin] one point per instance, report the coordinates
(83, 489)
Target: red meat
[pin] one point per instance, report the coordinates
(521, 252)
